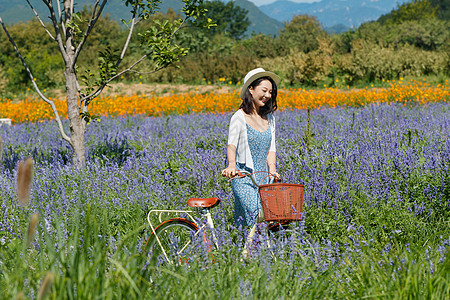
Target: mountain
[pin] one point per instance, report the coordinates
(350, 13)
(14, 11)
(259, 22)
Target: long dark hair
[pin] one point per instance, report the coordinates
(271, 104)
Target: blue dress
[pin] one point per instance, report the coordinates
(246, 199)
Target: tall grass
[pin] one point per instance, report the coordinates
(376, 201)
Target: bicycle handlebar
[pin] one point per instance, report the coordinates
(243, 174)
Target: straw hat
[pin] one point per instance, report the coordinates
(255, 74)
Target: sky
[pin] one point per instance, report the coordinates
(262, 2)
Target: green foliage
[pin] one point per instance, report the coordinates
(88, 261)
(42, 56)
(302, 33)
(443, 7)
(430, 34)
(372, 62)
(143, 9)
(261, 46)
(3, 80)
(410, 11)
(107, 66)
(310, 68)
(158, 41)
(230, 19)
(112, 151)
(414, 45)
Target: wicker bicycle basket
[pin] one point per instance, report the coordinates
(281, 201)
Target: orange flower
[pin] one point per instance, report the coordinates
(32, 110)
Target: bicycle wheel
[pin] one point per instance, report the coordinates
(172, 242)
(287, 240)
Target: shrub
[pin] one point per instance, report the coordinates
(369, 62)
(310, 68)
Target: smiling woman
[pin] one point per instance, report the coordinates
(251, 141)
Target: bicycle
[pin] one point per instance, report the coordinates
(174, 239)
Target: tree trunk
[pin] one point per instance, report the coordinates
(77, 125)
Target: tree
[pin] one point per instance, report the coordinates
(302, 33)
(443, 7)
(411, 11)
(231, 19)
(71, 33)
(42, 54)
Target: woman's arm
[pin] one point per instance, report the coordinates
(272, 164)
(272, 155)
(230, 171)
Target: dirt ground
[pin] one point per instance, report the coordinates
(165, 89)
(156, 89)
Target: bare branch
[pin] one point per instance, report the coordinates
(127, 42)
(144, 73)
(179, 27)
(40, 21)
(59, 40)
(71, 9)
(51, 103)
(130, 68)
(92, 21)
(97, 92)
(60, 17)
(86, 99)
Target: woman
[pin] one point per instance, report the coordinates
(251, 142)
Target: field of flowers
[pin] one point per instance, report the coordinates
(377, 200)
(30, 110)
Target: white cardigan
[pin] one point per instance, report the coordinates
(237, 136)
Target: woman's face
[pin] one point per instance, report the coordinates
(261, 93)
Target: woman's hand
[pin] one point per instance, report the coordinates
(229, 172)
(276, 176)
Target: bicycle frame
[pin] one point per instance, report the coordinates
(205, 213)
(203, 208)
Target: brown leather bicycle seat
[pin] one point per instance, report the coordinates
(203, 202)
